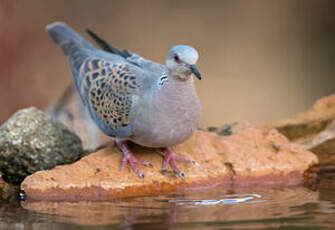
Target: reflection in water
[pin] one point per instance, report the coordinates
(230, 199)
(247, 208)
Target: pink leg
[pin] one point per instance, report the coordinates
(170, 158)
(129, 157)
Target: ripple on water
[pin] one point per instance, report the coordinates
(219, 208)
(228, 199)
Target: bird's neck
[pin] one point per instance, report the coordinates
(180, 77)
(177, 89)
(179, 82)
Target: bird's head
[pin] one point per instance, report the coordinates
(181, 62)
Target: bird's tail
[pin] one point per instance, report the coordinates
(63, 35)
(73, 45)
(108, 47)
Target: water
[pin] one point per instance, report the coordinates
(240, 208)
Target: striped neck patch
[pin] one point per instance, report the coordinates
(162, 79)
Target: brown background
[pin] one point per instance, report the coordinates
(261, 60)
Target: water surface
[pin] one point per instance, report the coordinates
(241, 208)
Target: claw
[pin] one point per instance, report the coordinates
(164, 168)
(128, 157)
(148, 164)
(194, 163)
(170, 158)
(141, 175)
(182, 175)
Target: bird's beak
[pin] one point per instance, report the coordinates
(195, 71)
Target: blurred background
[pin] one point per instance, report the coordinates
(261, 60)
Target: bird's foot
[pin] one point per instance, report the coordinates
(129, 157)
(170, 158)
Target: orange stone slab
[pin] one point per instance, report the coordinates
(314, 130)
(305, 125)
(252, 156)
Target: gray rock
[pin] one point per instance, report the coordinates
(31, 141)
(8, 192)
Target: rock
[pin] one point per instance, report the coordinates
(8, 191)
(30, 141)
(70, 111)
(314, 129)
(250, 157)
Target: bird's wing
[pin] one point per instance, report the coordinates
(108, 89)
(108, 84)
(128, 55)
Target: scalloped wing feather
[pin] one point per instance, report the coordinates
(108, 88)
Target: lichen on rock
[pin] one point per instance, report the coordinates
(31, 141)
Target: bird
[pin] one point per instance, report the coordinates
(134, 99)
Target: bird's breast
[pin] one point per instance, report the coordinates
(168, 118)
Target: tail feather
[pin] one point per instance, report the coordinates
(108, 47)
(76, 54)
(73, 45)
(63, 35)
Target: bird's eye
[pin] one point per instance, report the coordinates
(176, 58)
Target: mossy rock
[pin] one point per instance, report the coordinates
(31, 141)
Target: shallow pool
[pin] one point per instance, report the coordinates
(240, 208)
